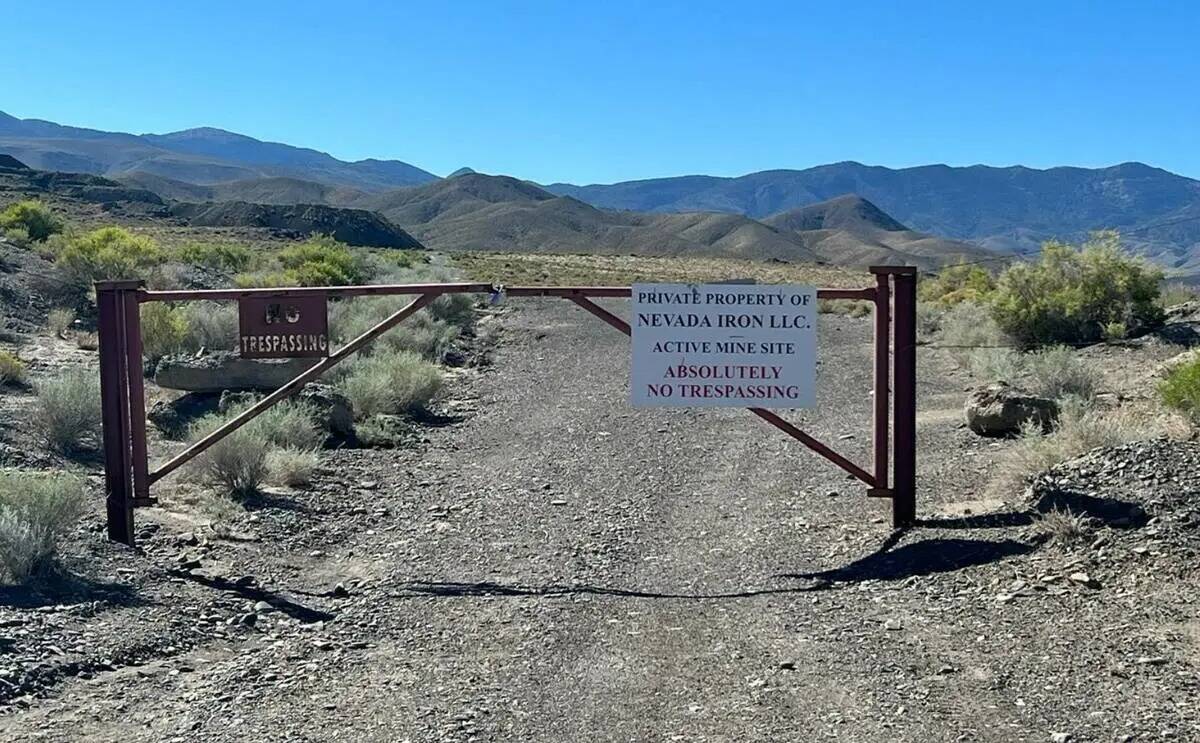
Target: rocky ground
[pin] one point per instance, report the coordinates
(552, 565)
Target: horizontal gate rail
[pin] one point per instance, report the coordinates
(128, 478)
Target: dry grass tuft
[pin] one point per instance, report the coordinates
(36, 510)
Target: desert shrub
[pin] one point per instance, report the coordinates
(321, 261)
(1080, 429)
(847, 307)
(966, 327)
(1180, 390)
(1115, 331)
(163, 330)
(1172, 295)
(229, 257)
(12, 369)
(1071, 295)
(237, 464)
(36, 510)
(995, 364)
(291, 425)
(929, 319)
(1058, 372)
(107, 253)
(67, 411)
(956, 284)
(391, 382)
(1062, 527)
(210, 325)
(33, 217)
(18, 236)
(187, 328)
(422, 333)
(293, 468)
(60, 320)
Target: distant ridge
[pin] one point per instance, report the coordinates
(204, 155)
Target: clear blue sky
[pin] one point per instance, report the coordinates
(605, 91)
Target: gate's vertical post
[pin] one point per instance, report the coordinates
(137, 393)
(881, 424)
(904, 467)
(114, 403)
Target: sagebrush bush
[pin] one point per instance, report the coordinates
(37, 221)
(67, 411)
(956, 284)
(391, 382)
(36, 510)
(163, 329)
(1180, 389)
(967, 327)
(1062, 527)
(12, 369)
(60, 321)
(188, 328)
(292, 468)
(1072, 295)
(229, 257)
(107, 253)
(995, 364)
(1058, 372)
(237, 464)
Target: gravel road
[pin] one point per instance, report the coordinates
(560, 567)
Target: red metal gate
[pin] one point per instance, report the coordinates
(128, 477)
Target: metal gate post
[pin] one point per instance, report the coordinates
(114, 402)
(880, 428)
(904, 466)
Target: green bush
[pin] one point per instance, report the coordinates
(163, 330)
(1180, 390)
(956, 284)
(12, 369)
(1071, 296)
(108, 253)
(220, 256)
(391, 382)
(33, 217)
(36, 510)
(321, 261)
(67, 411)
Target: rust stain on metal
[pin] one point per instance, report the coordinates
(283, 327)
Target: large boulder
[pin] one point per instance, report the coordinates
(226, 370)
(1001, 410)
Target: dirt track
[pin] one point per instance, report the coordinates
(560, 567)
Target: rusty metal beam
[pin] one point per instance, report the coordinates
(814, 444)
(290, 388)
(566, 292)
(603, 314)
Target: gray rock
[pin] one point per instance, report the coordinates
(226, 370)
(1001, 410)
(174, 417)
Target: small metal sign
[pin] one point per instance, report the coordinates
(283, 327)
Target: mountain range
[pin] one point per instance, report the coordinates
(841, 212)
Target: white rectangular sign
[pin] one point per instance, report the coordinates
(723, 345)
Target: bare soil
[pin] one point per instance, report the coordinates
(552, 565)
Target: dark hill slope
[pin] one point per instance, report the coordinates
(353, 226)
